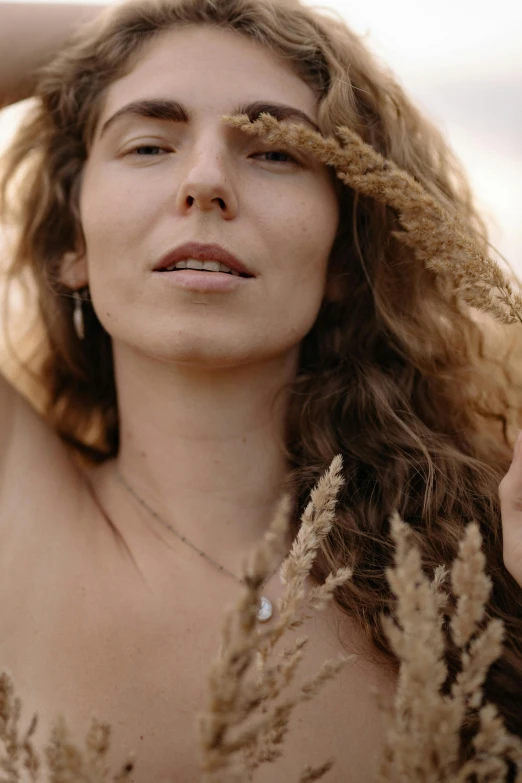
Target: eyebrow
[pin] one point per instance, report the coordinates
(174, 111)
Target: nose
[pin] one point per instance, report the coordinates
(206, 184)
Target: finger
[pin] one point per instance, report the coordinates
(510, 492)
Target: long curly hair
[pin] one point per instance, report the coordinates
(396, 374)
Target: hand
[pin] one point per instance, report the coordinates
(510, 492)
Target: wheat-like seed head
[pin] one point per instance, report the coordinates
(243, 727)
(424, 742)
(245, 681)
(438, 238)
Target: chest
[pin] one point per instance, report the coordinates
(84, 639)
(84, 636)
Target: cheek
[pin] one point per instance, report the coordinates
(112, 215)
(301, 246)
(112, 225)
(308, 234)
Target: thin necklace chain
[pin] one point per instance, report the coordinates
(185, 540)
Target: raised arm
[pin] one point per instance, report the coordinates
(30, 33)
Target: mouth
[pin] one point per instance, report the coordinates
(214, 267)
(202, 258)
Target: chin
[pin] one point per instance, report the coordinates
(192, 351)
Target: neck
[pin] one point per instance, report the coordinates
(202, 447)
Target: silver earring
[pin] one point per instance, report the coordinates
(79, 326)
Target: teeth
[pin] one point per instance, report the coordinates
(209, 266)
(193, 264)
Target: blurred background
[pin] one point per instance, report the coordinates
(461, 60)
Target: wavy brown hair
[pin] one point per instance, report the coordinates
(396, 374)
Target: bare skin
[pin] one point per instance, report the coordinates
(89, 633)
(30, 33)
(93, 628)
(197, 371)
(125, 626)
(511, 505)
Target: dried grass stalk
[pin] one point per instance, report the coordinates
(438, 238)
(424, 739)
(65, 761)
(423, 742)
(244, 726)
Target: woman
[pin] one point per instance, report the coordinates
(179, 404)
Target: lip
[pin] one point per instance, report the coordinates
(202, 252)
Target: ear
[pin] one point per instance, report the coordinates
(73, 270)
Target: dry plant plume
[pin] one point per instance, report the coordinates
(249, 709)
(248, 713)
(438, 238)
(244, 724)
(424, 741)
(65, 761)
(245, 681)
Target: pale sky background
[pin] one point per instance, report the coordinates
(461, 61)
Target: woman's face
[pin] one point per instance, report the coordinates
(151, 184)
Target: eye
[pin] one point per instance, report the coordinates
(148, 150)
(290, 158)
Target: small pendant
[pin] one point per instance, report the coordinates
(264, 612)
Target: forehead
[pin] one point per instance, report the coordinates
(210, 70)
